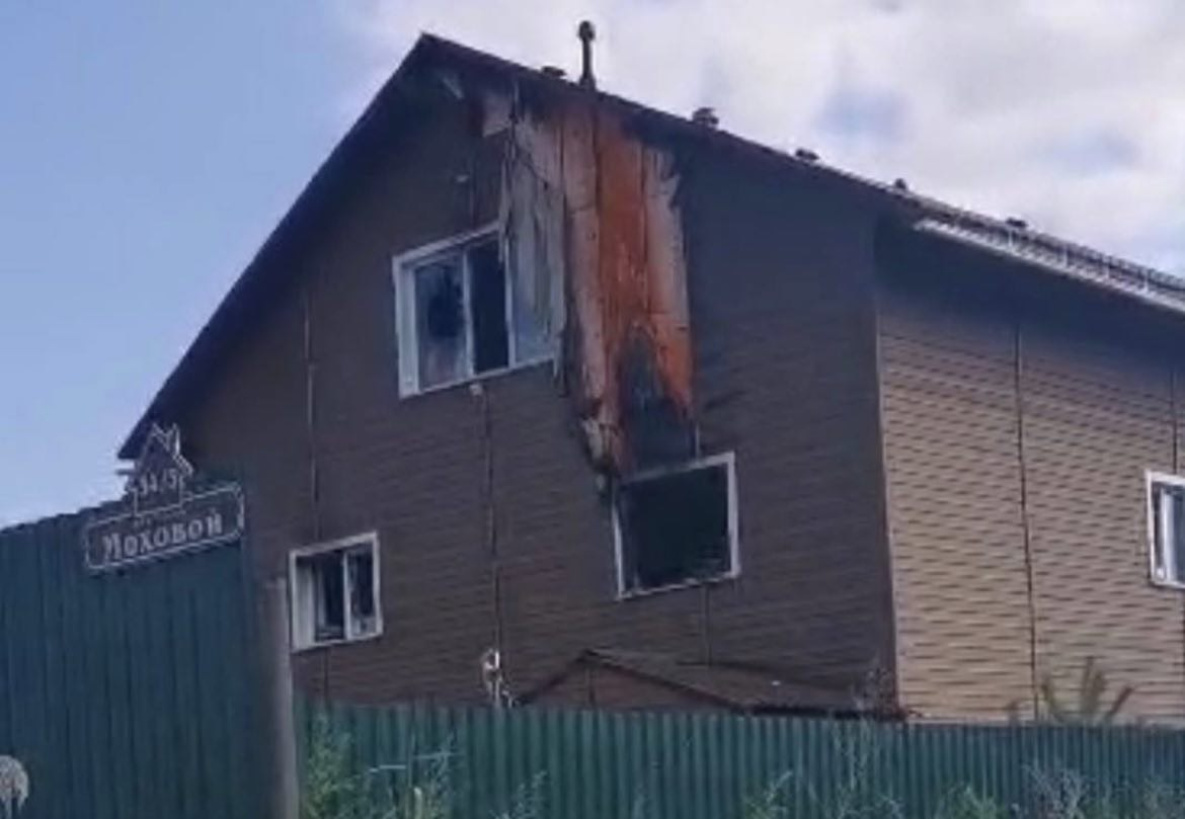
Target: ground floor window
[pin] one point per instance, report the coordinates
(1166, 529)
(335, 592)
(677, 526)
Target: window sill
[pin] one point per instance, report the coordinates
(488, 375)
(344, 641)
(1167, 585)
(636, 594)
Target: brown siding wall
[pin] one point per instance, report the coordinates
(782, 323)
(1016, 408)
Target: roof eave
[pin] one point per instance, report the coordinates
(1056, 257)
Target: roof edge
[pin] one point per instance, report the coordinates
(318, 183)
(926, 214)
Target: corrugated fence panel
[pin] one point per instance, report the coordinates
(127, 695)
(702, 765)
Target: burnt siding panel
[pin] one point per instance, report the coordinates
(784, 352)
(557, 559)
(1097, 412)
(555, 543)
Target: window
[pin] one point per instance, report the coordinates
(461, 315)
(1166, 529)
(335, 592)
(677, 526)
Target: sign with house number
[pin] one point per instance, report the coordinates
(162, 515)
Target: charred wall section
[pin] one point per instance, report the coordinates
(705, 305)
(592, 220)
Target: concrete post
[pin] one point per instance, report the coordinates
(284, 783)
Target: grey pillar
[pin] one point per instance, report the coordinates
(284, 784)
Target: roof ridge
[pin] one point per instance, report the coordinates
(932, 205)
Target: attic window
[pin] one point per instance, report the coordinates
(460, 316)
(677, 526)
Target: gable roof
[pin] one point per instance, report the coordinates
(265, 274)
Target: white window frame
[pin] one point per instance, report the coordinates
(301, 628)
(407, 332)
(1151, 479)
(728, 461)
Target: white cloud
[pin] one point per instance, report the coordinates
(1070, 113)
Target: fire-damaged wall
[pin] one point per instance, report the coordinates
(698, 300)
(590, 213)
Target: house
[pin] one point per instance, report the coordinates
(540, 394)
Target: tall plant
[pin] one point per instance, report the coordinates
(330, 790)
(417, 788)
(1090, 706)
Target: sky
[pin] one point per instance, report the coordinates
(147, 148)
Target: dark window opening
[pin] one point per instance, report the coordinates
(491, 337)
(330, 619)
(360, 565)
(676, 528)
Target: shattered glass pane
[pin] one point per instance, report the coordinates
(360, 565)
(329, 621)
(487, 286)
(440, 323)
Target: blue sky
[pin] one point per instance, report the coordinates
(147, 148)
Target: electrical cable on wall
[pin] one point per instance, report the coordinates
(492, 670)
(311, 443)
(1018, 385)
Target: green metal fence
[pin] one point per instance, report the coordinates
(126, 695)
(594, 765)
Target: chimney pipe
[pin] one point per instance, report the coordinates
(587, 34)
(706, 116)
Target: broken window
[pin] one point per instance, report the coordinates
(491, 339)
(461, 316)
(335, 593)
(440, 312)
(677, 526)
(1166, 529)
(360, 570)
